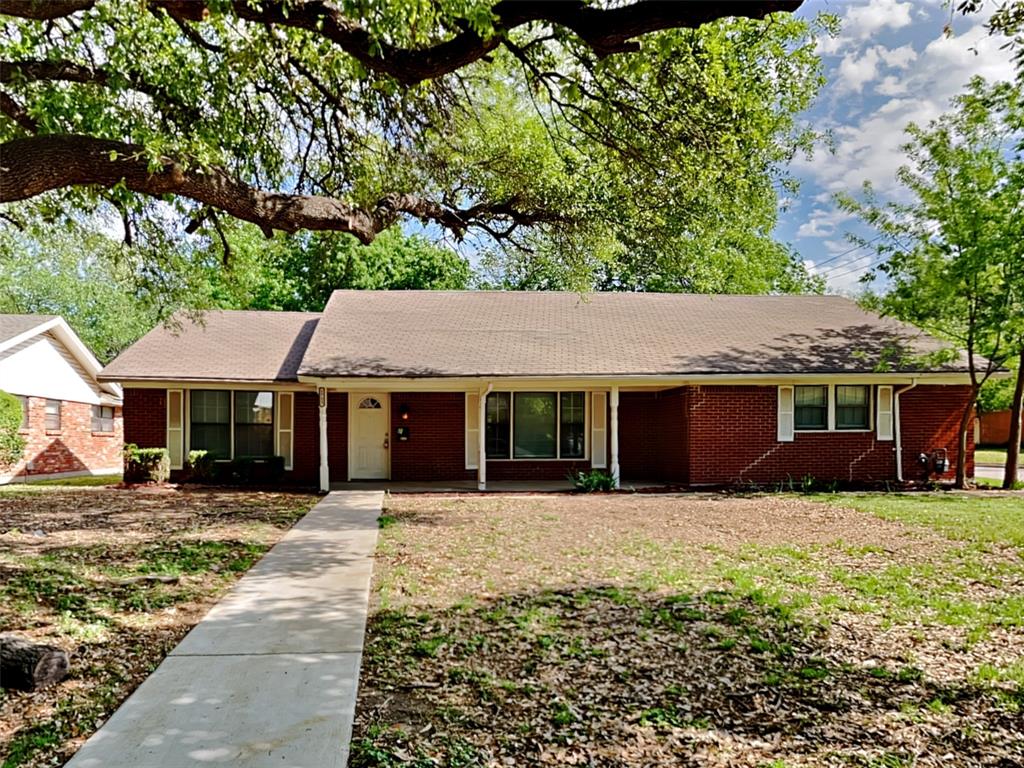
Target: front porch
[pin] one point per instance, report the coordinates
(495, 486)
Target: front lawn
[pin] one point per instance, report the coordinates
(690, 630)
(116, 578)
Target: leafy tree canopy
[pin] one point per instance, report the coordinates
(955, 252)
(629, 135)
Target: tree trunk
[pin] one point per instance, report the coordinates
(965, 425)
(26, 666)
(1013, 446)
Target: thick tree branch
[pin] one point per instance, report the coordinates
(47, 69)
(31, 166)
(604, 30)
(16, 112)
(44, 10)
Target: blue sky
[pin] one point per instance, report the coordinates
(890, 65)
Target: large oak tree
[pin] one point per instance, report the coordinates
(594, 126)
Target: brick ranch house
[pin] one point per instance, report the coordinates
(418, 385)
(71, 421)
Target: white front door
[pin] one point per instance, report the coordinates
(369, 433)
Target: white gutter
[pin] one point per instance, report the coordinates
(896, 426)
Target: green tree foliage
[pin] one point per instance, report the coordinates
(637, 145)
(11, 443)
(298, 272)
(955, 252)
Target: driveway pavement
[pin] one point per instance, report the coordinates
(992, 471)
(268, 677)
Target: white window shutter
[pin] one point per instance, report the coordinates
(175, 430)
(598, 430)
(785, 414)
(285, 428)
(884, 427)
(472, 430)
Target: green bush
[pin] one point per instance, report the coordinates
(594, 480)
(262, 470)
(11, 443)
(200, 467)
(146, 465)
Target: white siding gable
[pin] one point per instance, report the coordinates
(41, 368)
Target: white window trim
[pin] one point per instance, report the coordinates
(558, 425)
(183, 420)
(830, 395)
(888, 415)
(472, 436)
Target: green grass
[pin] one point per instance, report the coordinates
(85, 481)
(995, 520)
(992, 456)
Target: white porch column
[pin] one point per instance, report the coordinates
(615, 434)
(481, 461)
(325, 472)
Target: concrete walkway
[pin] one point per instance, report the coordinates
(268, 677)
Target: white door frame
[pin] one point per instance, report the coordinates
(353, 406)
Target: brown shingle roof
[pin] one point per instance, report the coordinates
(14, 325)
(223, 345)
(475, 333)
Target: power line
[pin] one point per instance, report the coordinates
(851, 250)
(872, 265)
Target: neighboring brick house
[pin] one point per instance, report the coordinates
(71, 421)
(685, 389)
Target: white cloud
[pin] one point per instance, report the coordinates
(822, 222)
(862, 21)
(868, 144)
(855, 71)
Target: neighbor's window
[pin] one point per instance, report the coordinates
(536, 425)
(811, 407)
(53, 415)
(210, 427)
(24, 412)
(254, 423)
(853, 407)
(572, 421)
(498, 425)
(102, 418)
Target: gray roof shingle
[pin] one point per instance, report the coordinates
(14, 325)
(505, 334)
(477, 333)
(222, 345)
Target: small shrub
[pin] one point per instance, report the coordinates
(146, 465)
(263, 470)
(11, 443)
(594, 480)
(200, 466)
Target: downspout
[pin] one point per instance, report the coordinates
(896, 427)
(481, 460)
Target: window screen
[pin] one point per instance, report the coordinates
(210, 426)
(811, 407)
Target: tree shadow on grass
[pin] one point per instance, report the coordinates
(610, 677)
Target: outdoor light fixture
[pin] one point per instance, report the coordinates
(403, 412)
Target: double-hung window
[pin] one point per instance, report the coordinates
(536, 425)
(230, 424)
(254, 423)
(210, 426)
(53, 415)
(811, 411)
(102, 418)
(853, 407)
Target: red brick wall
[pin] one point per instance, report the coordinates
(145, 417)
(337, 435)
(74, 448)
(653, 435)
(306, 440)
(930, 417)
(995, 428)
(436, 449)
(733, 433)
(733, 439)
